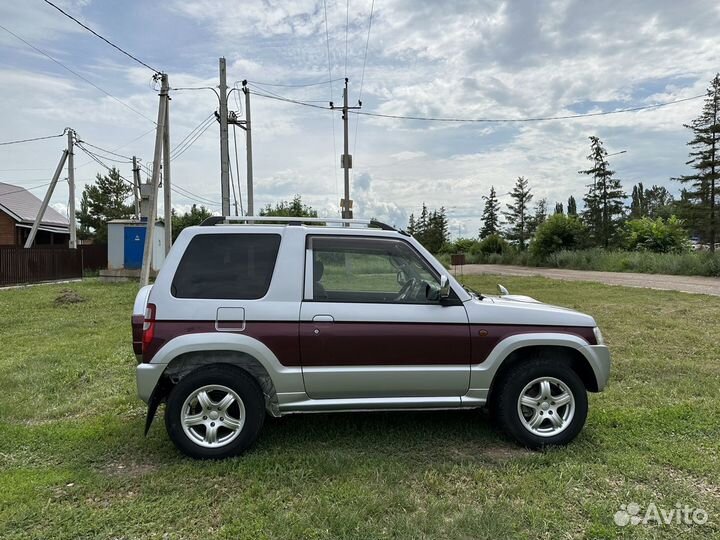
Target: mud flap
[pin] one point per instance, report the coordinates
(154, 402)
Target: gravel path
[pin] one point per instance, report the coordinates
(689, 284)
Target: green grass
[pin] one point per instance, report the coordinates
(74, 463)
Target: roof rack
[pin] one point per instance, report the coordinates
(326, 221)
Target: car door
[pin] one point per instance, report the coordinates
(369, 326)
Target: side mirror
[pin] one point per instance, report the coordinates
(444, 292)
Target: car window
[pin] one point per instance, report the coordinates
(227, 266)
(358, 269)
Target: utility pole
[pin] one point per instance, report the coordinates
(346, 158)
(136, 186)
(152, 216)
(46, 200)
(224, 150)
(71, 184)
(248, 147)
(167, 196)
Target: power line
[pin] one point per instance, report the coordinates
(302, 85)
(192, 132)
(120, 147)
(58, 62)
(86, 27)
(30, 140)
(101, 163)
(23, 189)
(297, 102)
(531, 119)
(188, 194)
(362, 76)
(178, 151)
(106, 151)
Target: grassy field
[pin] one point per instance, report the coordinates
(74, 463)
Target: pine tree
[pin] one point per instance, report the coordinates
(411, 228)
(705, 160)
(490, 215)
(517, 213)
(572, 206)
(104, 201)
(604, 200)
(539, 216)
(559, 208)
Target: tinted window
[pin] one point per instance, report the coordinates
(232, 266)
(356, 269)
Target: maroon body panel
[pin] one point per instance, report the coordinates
(363, 343)
(485, 337)
(278, 336)
(383, 343)
(137, 332)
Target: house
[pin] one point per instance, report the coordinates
(18, 210)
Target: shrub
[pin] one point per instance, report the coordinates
(656, 235)
(558, 232)
(492, 244)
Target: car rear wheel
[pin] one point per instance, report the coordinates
(215, 412)
(541, 403)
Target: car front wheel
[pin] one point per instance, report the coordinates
(541, 403)
(215, 412)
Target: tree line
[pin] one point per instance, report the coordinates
(653, 221)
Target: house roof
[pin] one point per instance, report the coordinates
(23, 207)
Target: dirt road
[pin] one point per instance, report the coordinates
(689, 284)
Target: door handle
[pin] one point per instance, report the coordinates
(323, 318)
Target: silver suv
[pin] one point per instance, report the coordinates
(257, 315)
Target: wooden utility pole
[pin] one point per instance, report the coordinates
(346, 158)
(224, 150)
(136, 186)
(167, 196)
(248, 149)
(152, 216)
(71, 184)
(46, 200)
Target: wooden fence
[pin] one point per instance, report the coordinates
(19, 265)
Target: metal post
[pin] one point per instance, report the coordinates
(167, 197)
(136, 186)
(46, 201)
(224, 150)
(248, 146)
(71, 184)
(152, 216)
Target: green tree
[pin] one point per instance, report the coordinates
(559, 232)
(704, 159)
(101, 202)
(411, 228)
(572, 206)
(517, 213)
(659, 202)
(559, 208)
(539, 216)
(604, 200)
(294, 208)
(195, 216)
(638, 205)
(491, 215)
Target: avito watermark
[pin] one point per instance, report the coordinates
(633, 514)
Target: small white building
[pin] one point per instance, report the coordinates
(126, 244)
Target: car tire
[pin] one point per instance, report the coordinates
(540, 402)
(215, 412)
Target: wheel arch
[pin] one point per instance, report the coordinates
(571, 356)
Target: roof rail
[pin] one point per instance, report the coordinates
(369, 223)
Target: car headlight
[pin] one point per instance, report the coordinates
(598, 336)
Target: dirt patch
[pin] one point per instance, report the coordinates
(68, 296)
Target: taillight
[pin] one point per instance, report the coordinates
(148, 329)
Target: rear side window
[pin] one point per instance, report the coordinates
(226, 266)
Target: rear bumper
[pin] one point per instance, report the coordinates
(599, 358)
(147, 376)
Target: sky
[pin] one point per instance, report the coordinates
(470, 59)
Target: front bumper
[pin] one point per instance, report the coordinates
(599, 358)
(147, 376)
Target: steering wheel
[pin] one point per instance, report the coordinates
(407, 290)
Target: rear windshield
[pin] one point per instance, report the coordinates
(226, 266)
